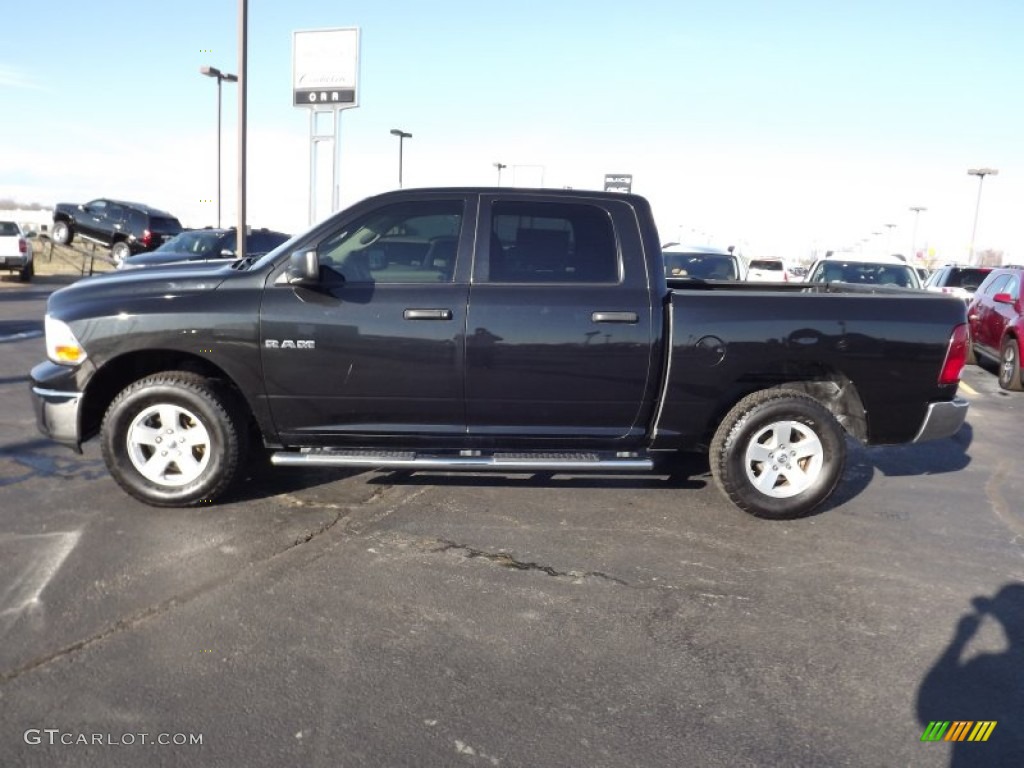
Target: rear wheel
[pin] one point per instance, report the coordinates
(27, 272)
(174, 439)
(1009, 366)
(61, 233)
(778, 454)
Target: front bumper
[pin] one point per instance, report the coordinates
(58, 410)
(943, 419)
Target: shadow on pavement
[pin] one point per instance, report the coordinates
(984, 688)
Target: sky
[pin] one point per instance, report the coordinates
(785, 127)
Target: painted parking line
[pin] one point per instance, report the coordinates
(968, 388)
(20, 336)
(29, 563)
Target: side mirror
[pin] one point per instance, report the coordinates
(227, 253)
(1003, 298)
(303, 267)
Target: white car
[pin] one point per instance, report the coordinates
(15, 251)
(861, 269)
(767, 271)
(701, 262)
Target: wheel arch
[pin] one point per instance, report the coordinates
(119, 372)
(826, 384)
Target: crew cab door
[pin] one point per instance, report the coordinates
(375, 348)
(559, 326)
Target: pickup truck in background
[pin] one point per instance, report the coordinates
(495, 329)
(16, 251)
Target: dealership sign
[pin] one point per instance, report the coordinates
(618, 182)
(325, 68)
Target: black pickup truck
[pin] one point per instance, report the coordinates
(490, 329)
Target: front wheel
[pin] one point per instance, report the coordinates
(174, 439)
(119, 251)
(61, 233)
(778, 454)
(1009, 366)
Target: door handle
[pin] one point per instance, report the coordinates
(614, 317)
(427, 314)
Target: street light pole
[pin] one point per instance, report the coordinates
(402, 136)
(221, 77)
(913, 238)
(888, 239)
(981, 173)
(243, 87)
(499, 166)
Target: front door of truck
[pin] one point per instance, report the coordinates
(376, 348)
(559, 327)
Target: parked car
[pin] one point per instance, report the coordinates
(958, 279)
(996, 317)
(124, 228)
(864, 270)
(206, 245)
(767, 271)
(579, 356)
(15, 251)
(701, 262)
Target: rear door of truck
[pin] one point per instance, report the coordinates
(560, 324)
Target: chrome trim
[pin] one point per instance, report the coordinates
(58, 394)
(943, 419)
(477, 463)
(669, 355)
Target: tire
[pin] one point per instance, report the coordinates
(1009, 366)
(174, 408)
(61, 233)
(790, 428)
(120, 251)
(27, 272)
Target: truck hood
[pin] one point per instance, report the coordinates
(111, 289)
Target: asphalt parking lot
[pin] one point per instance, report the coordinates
(335, 618)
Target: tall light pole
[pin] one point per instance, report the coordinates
(221, 78)
(243, 88)
(888, 240)
(499, 166)
(981, 173)
(402, 136)
(913, 238)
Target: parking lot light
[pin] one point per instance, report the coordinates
(221, 77)
(402, 136)
(981, 173)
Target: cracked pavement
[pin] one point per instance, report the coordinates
(329, 618)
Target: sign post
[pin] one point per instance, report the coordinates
(325, 80)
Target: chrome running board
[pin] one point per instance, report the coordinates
(519, 461)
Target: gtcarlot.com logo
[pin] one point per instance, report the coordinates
(55, 736)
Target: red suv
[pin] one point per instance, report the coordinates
(996, 315)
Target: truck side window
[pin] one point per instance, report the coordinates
(412, 242)
(537, 242)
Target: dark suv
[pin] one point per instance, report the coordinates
(996, 317)
(958, 279)
(205, 245)
(124, 228)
